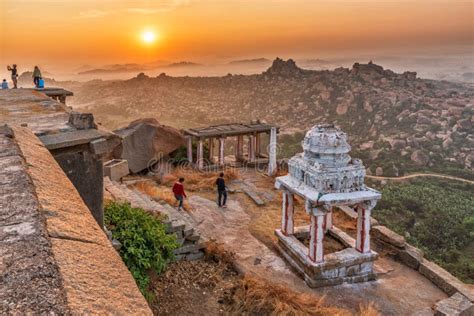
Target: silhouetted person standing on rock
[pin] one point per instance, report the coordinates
(179, 194)
(221, 190)
(36, 76)
(14, 71)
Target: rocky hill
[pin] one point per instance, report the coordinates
(399, 121)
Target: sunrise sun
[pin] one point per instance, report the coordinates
(148, 37)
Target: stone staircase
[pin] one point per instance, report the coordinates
(179, 223)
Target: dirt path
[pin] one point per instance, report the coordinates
(417, 175)
(247, 230)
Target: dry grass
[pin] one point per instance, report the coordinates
(198, 181)
(160, 193)
(218, 253)
(368, 310)
(255, 296)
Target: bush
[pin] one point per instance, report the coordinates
(145, 245)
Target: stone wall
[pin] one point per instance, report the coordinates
(86, 173)
(462, 296)
(54, 256)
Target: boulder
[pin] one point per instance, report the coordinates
(447, 142)
(341, 109)
(378, 171)
(398, 144)
(146, 141)
(419, 157)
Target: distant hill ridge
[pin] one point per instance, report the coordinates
(397, 120)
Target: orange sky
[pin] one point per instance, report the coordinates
(77, 32)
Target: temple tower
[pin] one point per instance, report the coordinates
(325, 177)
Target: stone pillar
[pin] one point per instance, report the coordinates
(257, 145)
(200, 155)
(62, 99)
(287, 224)
(239, 148)
(221, 151)
(272, 149)
(190, 148)
(252, 148)
(211, 149)
(316, 232)
(328, 220)
(363, 228)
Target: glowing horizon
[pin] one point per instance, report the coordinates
(92, 32)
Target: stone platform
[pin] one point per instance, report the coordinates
(345, 266)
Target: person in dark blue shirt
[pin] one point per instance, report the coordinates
(221, 191)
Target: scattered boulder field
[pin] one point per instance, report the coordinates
(421, 122)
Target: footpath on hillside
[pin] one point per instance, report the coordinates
(420, 175)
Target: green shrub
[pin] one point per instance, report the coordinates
(146, 247)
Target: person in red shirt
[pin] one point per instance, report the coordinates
(179, 194)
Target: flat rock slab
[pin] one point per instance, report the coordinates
(230, 227)
(455, 305)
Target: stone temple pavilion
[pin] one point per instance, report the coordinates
(249, 134)
(325, 176)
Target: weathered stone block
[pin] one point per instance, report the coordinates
(322, 282)
(342, 272)
(186, 248)
(444, 280)
(82, 120)
(455, 305)
(387, 235)
(99, 146)
(116, 169)
(411, 256)
(195, 256)
(330, 274)
(366, 267)
(353, 270)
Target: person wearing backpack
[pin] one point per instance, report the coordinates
(36, 76)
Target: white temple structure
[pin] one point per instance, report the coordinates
(325, 176)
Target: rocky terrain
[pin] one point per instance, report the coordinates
(397, 121)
